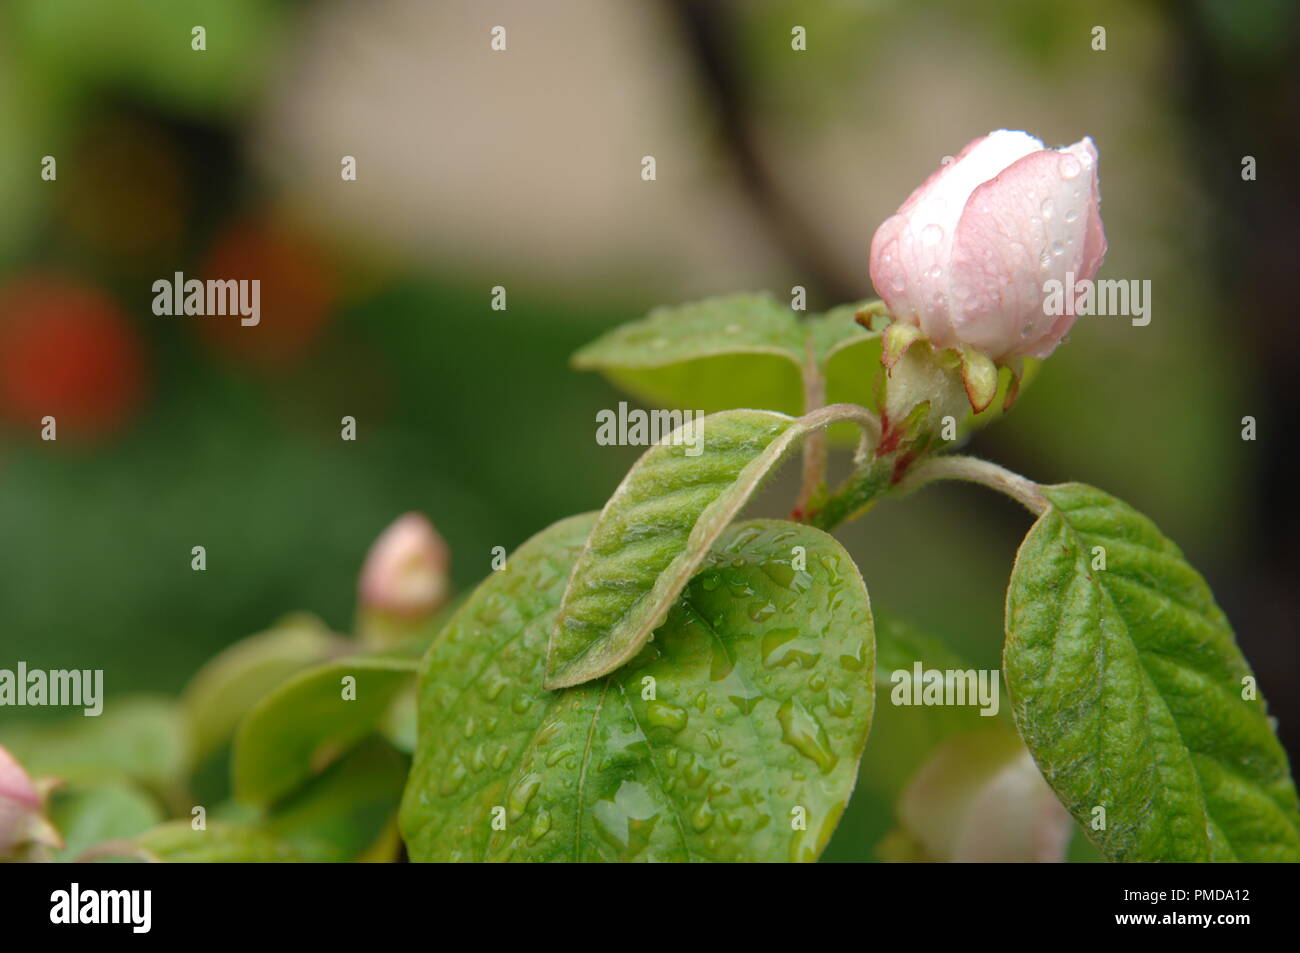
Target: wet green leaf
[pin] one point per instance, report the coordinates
(734, 735)
(653, 533)
(1129, 689)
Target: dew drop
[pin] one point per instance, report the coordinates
(663, 715)
(627, 821)
(541, 824)
(781, 647)
(521, 794)
(855, 662)
(1072, 216)
(1058, 249)
(1070, 167)
(931, 235)
(453, 779)
(694, 773)
(838, 703)
(803, 732)
(935, 272)
(1047, 208)
(559, 754)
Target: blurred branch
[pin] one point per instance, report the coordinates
(709, 28)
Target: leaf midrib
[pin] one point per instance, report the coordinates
(1079, 537)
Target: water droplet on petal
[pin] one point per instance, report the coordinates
(1047, 208)
(1058, 248)
(931, 235)
(935, 272)
(1070, 167)
(1072, 216)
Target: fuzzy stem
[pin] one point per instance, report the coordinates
(1021, 489)
(814, 447)
(870, 476)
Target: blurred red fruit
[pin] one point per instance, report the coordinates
(296, 293)
(66, 351)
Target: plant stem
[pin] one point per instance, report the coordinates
(1021, 489)
(814, 447)
(867, 484)
(870, 476)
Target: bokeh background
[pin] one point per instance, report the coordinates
(522, 169)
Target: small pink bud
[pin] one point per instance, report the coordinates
(22, 819)
(405, 572)
(967, 256)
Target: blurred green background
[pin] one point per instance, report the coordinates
(522, 169)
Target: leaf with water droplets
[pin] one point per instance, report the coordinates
(655, 530)
(734, 735)
(1131, 694)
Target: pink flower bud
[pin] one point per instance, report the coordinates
(966, 257)
(405, 572)
(22, 820)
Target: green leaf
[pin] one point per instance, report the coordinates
(337, 816)
(176, 842)
(114, 810)
(655, 530)
(748, 711)
(137, 738)
(230, 684)
(742, 350)
(1127, 686)
(294, 732)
